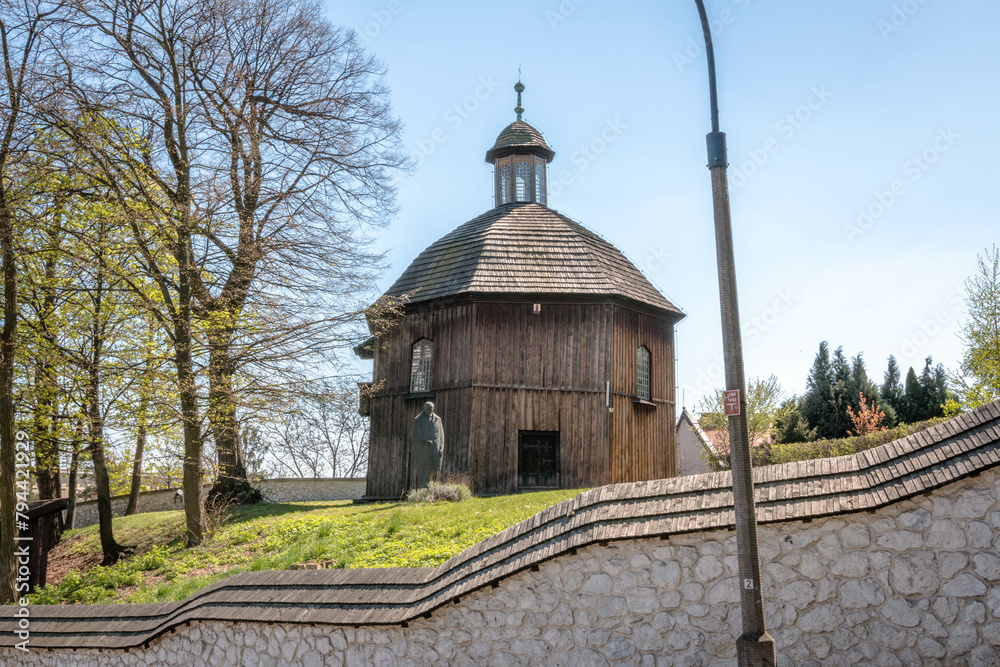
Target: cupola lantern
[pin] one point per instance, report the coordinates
(520, 157)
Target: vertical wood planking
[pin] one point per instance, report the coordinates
(642, 437)
(500, 369)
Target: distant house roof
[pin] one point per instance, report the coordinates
(710, 442)
(715, 441)
(526, 249)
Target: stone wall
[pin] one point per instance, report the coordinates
(914, 583)
(283, 490)
(149, 501)
(290, 490)
(642, 574)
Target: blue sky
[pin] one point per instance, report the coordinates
(862, 142)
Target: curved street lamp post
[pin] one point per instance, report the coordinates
(755, 647)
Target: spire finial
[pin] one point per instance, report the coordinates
(519, 87)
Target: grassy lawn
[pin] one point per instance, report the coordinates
(273, 537)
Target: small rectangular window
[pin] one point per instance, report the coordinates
(504, 184)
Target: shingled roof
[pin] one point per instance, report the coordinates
(526, 249)
(517, 137)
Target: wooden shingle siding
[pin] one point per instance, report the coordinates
(804, 490)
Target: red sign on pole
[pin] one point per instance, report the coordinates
(731, 402)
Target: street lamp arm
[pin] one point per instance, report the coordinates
(710, 55)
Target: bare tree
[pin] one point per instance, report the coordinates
(317, 432)
(301, 138)
(259, 140)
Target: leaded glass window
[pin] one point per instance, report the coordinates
(642, 374)
(504, 184)
(421, 366)
(522, 176)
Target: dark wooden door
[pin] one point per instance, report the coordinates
(538, 459)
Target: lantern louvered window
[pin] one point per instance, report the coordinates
(421, 366)
(642, 374)
(504, 184)
(522, 175)
(540, 182)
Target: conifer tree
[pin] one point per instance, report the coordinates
(913, 398)
(818, 404)
(892, 386)
(934, 390)
(845, 395)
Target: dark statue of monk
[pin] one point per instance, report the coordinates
(427, 444)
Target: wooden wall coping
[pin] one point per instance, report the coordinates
(960, 447)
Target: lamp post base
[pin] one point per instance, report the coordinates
(756, 651)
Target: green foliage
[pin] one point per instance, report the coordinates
(762, 401)
(274, 537)
(434, 492)
(979, 380)
(803, 451)
(819, 405)
(892, 392)
(99, 585)
(836, 385)
(789, 424)
(924, 396)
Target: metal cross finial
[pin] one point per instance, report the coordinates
(519, 87)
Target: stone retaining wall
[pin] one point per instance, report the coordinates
(290, 490)
(642, 574)
(282, 490)
(161, 500)
(914, 583)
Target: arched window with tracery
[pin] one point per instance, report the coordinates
(504, 184)
(421, 366)
(642, 374)
(522, 178)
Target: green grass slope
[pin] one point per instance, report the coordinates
(274, 537)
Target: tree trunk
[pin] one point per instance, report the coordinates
(46, 440)
(8, 340)
(231, 482)
(194, 511)
(46, 425)
(111, 549)
(47, 391)
(140, 444)
(141, 419)
(74, 464)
